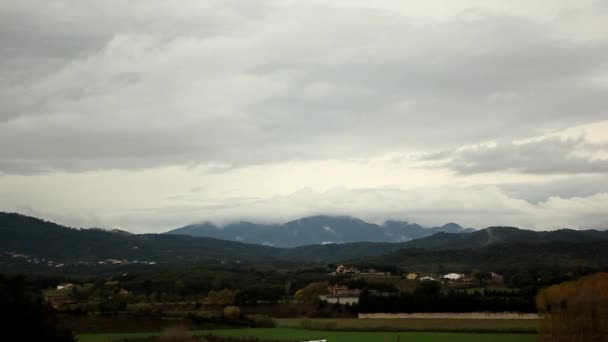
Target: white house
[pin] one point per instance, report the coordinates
(64, 286)
(452, 276)
(427, 278)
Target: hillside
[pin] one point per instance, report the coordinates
(32, 236)
(500, 258)
(317, 230)
(504, 235)
(41, 239)
(35, 239)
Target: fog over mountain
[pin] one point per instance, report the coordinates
(317, 230)
(146, 115)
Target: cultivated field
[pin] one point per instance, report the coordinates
(331, 336)
(415, 324)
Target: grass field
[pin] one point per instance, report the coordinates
(331, 336)
(412, 324)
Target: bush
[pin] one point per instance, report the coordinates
(232, 312)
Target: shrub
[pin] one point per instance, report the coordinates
(232, 312)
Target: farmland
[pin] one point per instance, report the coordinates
(415, 325)
(331, 336)
(369, 330)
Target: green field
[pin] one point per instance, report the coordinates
(333, 336)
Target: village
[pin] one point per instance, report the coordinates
(345, 295)
(25, 258)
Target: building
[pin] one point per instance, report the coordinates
(411, 276)
(344, 299)
(337, 289)
(427, 278)
(65, 286)
(343, 290)
(452, 276)
(346, 270)
(497, 278)
(341, 294)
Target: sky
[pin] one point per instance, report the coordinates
(150, 115)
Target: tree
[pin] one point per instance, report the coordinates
(25, 316)
(428, 288)
(311, 292)
(482, 278)
(575, 310)
(232, 312)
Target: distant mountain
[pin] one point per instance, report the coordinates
(317, 230)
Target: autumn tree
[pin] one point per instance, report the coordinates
(575, 310)
(311, 292)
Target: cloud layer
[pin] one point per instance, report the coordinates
(103, 90)
(545, 156)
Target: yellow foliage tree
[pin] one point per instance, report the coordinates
(311, 292)
(232, 312)
(575, 311)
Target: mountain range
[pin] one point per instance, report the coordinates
(321, 229)
(39, 239)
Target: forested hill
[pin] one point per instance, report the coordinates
(32, 238)
(41, 239)
(504, 235)
(35, 237)
(591, 255)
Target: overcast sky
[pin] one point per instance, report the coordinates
(149, 115)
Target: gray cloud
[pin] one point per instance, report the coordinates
(241, 84)
(107, 96)
(546, 156)
(567, 187)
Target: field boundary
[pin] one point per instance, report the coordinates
(451, 315)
